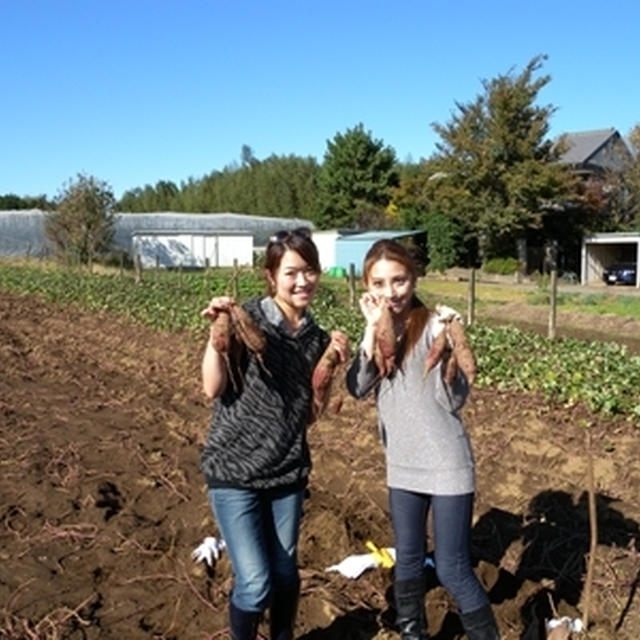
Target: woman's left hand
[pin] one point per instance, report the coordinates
(340, 343)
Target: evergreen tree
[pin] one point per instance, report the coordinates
(355, 182)
(11, 201)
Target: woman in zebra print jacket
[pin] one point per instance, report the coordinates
(256, 459)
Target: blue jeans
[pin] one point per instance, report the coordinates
(261, 530)
(452, 535)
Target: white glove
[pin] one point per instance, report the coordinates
(208, 550)
(441, 316)
(353, 566)
(562, 627)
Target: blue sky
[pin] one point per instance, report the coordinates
(136, 91)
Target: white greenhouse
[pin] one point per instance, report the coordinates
(168, 239)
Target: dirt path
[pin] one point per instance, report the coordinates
(569, 324)
(102, 502)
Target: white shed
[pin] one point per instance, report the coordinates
(192, 248)
(601, 250)
(326, 243)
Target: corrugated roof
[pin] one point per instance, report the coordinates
(372, 236)
(584, 144)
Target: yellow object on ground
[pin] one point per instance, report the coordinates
(380, 555)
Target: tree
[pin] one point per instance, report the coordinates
(83, 223)
(494, 171)
(628, 191)
(355, 181)
(12, 201)
(282, 186)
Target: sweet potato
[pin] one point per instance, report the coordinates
(220, 332)
(321, 380)
(249, 334)
(222, 340)
(450, 367)
(385, 344)
(436, 351)
(248, 331)
(462, 350)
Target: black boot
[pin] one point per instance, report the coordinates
(409, 596)
(243, 624)
(284, 606)
(480, 624)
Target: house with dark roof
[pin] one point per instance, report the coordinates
(592, 153)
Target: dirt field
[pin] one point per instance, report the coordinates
(102, 502)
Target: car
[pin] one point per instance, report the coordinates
(620, 273)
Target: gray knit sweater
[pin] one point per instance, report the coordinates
(426, 445)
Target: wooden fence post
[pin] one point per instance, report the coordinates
(554, 303)
(138, 268)
(234, 279)
(352, 285)
(471, 301)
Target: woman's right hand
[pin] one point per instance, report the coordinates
(371, 307)
(216, 305)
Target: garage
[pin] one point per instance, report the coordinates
(601, 251)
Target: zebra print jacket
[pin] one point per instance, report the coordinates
(257, 438)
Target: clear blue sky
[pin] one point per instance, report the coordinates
(136, 91)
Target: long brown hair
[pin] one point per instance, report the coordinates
(418, 313)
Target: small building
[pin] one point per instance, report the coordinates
(326, 243)
(601, 250)
(261, 228)
(192, 249)
(351, 249)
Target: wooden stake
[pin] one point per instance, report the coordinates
(554, 304)
(593, 530)
(471, 301)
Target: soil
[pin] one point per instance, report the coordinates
(102, 501)
(605, 327)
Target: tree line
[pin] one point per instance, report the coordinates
(493, 182)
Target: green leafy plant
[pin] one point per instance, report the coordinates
(501, 266)
(602, 375)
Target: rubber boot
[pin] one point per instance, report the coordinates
(409, 596)
(284, 606)
(243, 624)
(480, 624)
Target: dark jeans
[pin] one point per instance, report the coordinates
(261, 531)
(452, 532)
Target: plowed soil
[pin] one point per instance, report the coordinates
(102, 501)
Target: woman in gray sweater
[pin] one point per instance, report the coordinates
(429, 460)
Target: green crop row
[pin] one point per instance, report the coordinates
(604, 376)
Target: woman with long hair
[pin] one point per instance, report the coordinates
(429, 462)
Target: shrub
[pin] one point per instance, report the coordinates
(501, 266)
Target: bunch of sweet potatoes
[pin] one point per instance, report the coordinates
(232, 329)
(452, 347)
